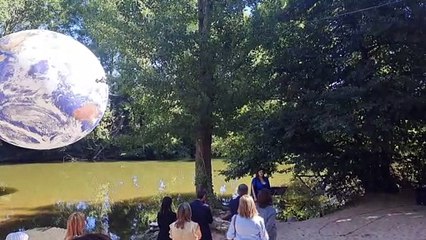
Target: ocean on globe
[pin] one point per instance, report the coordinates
(53, 90)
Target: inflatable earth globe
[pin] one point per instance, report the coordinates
(53, 90)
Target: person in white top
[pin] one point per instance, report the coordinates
(17, 236)
(247, 224)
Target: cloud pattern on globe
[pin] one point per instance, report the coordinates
(53, 90)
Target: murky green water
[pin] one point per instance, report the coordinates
(30, 190)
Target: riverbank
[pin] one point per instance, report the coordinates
(31, 190)
(375, 217)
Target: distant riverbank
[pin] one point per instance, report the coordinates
(35, 191)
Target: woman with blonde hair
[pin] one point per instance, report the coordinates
(75, 225)
(183, 228)
(247, 224)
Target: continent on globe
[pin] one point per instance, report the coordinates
(39, 68)
(52, 90)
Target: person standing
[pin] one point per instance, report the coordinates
(183, 228)
(234, 203)
(259, 182)
(202, 214)
(76, 225)
(247, 224)
(165, 217)
(267, 212)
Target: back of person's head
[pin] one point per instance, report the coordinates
(247, 207)
(166, 205)
(264, 198)
(242, 189)
(201, 193)
(93, 236)
(17, 236)
(184, 215)
(75, 225)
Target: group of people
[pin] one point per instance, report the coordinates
(191, 222)
(252, 217)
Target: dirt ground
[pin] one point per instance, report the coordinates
(376, 217)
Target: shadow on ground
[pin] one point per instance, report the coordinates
(126, 218)
(7, 190)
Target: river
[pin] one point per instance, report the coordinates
(29, 189)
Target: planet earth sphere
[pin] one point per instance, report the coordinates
(53, 90)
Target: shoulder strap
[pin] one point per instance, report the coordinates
(235, 229)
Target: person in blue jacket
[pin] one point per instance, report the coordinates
(234, 203)
(202, 214)
(259, 182)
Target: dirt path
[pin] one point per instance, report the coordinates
(378, 217)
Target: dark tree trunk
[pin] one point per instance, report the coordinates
(204, 128)
(203, 163)
(378, 177)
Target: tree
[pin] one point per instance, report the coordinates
(180, 65)
(204, 124)
(349, 87)
(64, 17)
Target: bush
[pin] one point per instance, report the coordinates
(310, 198)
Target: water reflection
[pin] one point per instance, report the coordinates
(135, 181)
(128, 209)
(162, 186)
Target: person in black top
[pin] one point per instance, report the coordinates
(165, 217)
(233, 204)
(202, 214)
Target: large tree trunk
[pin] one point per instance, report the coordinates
(203, 162)
(204, 128)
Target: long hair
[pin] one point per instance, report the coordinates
(184, 215)
(264, 198)
(75, 225)
(247, 207)
(166, 205)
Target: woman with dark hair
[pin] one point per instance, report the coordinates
(259, 182)
(267, 212)
(93, 236)
(165, 217)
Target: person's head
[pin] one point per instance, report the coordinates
(264, 198)
(166, 205)
(17, 236)
(75, 225)
(201, 194)
(183, 215)
(247, 207)
(260, 173)
(242, 189)
(93, 236)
